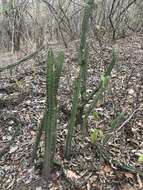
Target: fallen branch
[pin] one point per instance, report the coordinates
(107, 157)
(27, 57)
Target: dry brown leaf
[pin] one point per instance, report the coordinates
(106, 169)
(129, 175)
(72, 175)
(128, 187)
(139, 182)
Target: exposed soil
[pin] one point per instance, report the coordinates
(110, 166)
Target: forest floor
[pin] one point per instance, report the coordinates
(110, 166)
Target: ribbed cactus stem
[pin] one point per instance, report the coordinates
(54, 69)
(80, 83)
(102, 87)
(72, 118)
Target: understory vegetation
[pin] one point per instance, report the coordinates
(71, 94)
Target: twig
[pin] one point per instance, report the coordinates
(127, 120)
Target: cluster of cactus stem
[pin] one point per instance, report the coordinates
(79, 100)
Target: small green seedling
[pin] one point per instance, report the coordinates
(96, 134)
(140, 159)
(105, 80)
(18, 83)
(97, 116)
